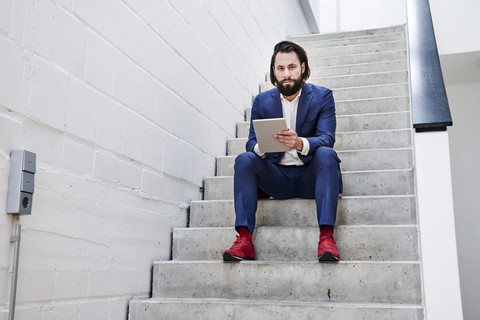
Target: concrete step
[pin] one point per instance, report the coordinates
(371, 92)
(378, 139)
(376, 105)
(225, 166)
(346, 281)
(356, 122)
(373, 121)
(225, 309)
(356, 140)
(243, 129)
(358, 243)
(350, 34)
(359, 160)
(365, 210)
(364, 106)
(360, 183)
(361, 68)
(358, 80)
(363, 39)
(376, 159)
(344, 50)
(369, 79)
(236, 146)
(358, 58)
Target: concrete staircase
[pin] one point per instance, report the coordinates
(379, 274)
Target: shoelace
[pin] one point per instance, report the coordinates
(327, 236)
(240, 240)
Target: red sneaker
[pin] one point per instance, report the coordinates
(327, 249)
(241, 250)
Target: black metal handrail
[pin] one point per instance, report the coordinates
(430, 109)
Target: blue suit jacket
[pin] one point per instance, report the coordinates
(315, 118)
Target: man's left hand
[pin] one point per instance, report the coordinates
(290, 139)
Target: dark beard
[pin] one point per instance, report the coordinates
(290, 90)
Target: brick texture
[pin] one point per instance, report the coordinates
(126, 104)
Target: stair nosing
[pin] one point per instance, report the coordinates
(286, 262)
(371, 86)
(346, 132)
(303, 42)
(369, 114)
(341, 226)
(379, 196)
(366, 131)
(282, 302)
(352, 171)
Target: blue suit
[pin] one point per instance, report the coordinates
(319, 178)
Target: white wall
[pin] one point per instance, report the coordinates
(348, 15)
(456, 27)
(456, 24)
(465, 152)
(126, 104)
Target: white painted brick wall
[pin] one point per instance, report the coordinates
(126, 104)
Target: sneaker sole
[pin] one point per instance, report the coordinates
(328, 257)
(227, 257)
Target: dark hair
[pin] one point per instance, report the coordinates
(288, 46)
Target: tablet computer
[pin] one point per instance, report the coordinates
(265, 129)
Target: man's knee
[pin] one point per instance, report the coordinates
(326, 156)
(245, 160)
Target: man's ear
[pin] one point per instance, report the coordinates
(303, 67)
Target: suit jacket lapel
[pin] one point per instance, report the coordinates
(276, 108)
(303, 105)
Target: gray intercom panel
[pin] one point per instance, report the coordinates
(21, 182)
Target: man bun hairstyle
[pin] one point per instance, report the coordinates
(288, 46)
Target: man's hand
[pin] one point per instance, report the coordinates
(290, 139)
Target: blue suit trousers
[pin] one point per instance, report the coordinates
(319, 179)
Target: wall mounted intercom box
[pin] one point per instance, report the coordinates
(21, 182)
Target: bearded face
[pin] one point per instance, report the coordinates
(288, 72)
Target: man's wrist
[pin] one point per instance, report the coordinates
(299, 144)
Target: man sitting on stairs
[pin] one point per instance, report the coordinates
(310, 169)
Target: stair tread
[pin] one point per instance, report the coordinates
(344, 281)
(299, 243)
(350, 140)
(372, 182)
(221, 308)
